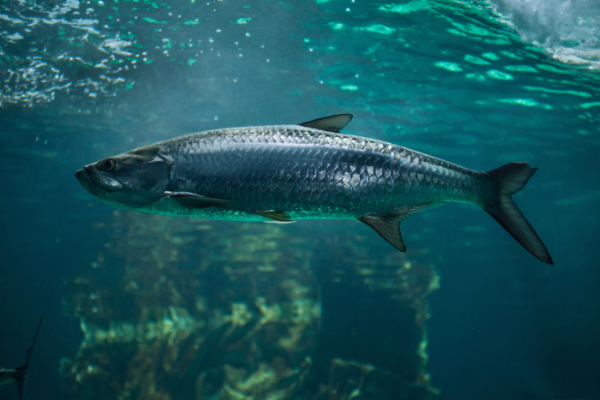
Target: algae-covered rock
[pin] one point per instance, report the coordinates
(193, 309)
(203, 318)
(351, 380)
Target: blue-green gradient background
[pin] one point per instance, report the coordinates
(447, 78)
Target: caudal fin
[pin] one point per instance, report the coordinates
(21, 376)
(509, 179)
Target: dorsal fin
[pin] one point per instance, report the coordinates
(333, 123)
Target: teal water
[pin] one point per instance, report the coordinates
(476, 83)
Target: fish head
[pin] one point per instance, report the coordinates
(134, 179)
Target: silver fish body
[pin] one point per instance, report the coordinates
(309, 173)
(283, 173)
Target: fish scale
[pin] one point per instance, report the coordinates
(282, 173)
(256, 169)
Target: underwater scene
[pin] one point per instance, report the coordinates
(303, 256)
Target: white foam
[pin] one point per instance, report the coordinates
(569, 30)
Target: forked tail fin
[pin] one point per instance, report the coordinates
(509, 179)
(21, 376)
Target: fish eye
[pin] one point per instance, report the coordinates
(109, 165)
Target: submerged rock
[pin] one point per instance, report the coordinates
(193, 309)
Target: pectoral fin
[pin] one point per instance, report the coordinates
(388, 227)
(279, 216)
(195, 201)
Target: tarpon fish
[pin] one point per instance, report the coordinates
(284, 173)
(19, 374)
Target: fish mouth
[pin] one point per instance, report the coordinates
(92, 181)
(84, 178)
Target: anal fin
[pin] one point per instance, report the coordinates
(388, 227)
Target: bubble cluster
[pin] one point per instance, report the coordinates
(90, 50)
(44, 49)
